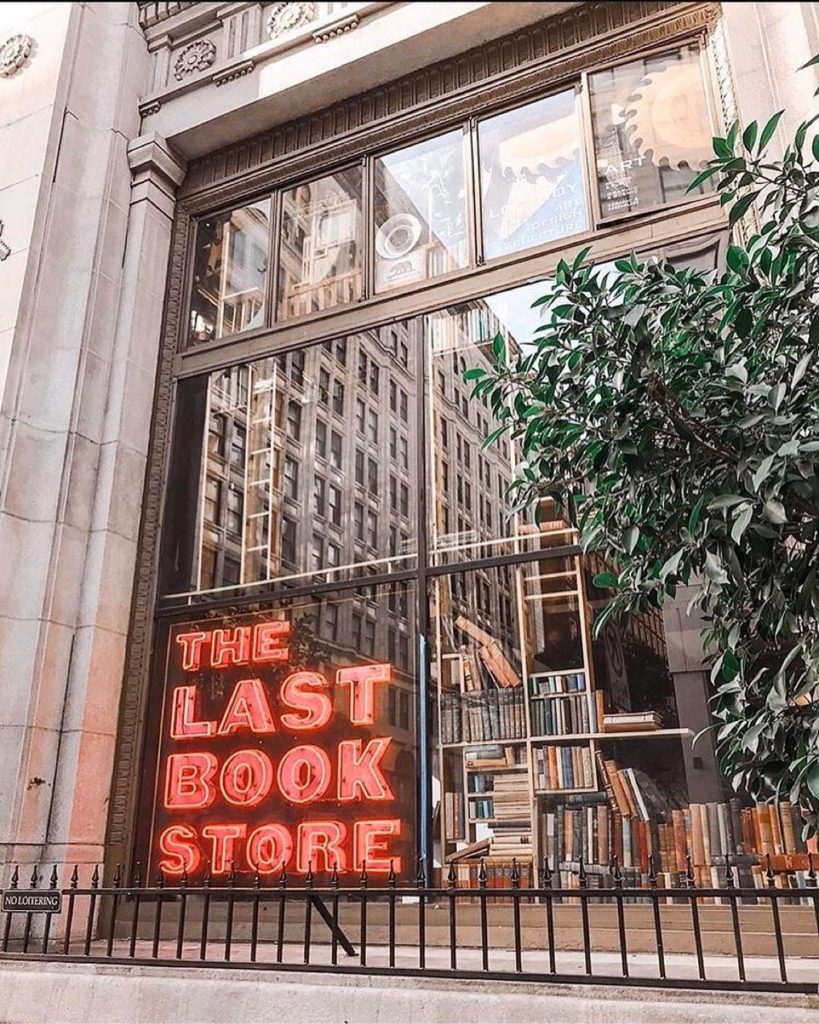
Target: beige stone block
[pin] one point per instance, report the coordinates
(94, 396)
(92, 701)
(19, 641)
(6, 343)
(34, 86)
(67, 574)
(112, 239)
(84, 772)
(23, 145)
(109, 581)
(84, 158)
(32, 489)
(52, 675)
(136, 405)
(18, 210)
(102, 320)
(81, 485)
(25, 555)
(14, 270)
(27, 760)
(122, 477)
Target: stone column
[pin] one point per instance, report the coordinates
(77, 824)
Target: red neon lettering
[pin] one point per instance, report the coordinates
(189, 780)
(223, 838)
(246, 777)
(230, 647)
(268, 641)
(362, 679)
(369, 844)
(247, 709)
(191, 644)
(304, 774)
(317, 706)
(269, 848)
(320, 837)
(183, 715)
(178, 844)
(359, 776)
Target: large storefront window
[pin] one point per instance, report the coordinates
(337, 540)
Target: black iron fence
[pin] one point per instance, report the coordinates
(726, 937)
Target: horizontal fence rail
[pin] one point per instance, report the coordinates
(728, 937)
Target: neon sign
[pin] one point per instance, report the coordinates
(266, 763)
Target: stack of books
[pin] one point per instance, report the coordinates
(631, 721)
(512, 826)
(556, 682)
(494, 756)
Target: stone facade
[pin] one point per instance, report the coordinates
(101, 108)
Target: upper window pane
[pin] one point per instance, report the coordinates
(280, 470)
(229, 272)
(652, 131)
(532, 188)
(420, 212)
(320, 247)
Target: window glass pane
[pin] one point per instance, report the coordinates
(467, 484)
(256, 499)
(420, 212)
(243, 661)
(532, 187)
(652, 131)
(229, 272)
(320, 246)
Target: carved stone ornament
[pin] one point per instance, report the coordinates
(285, 17)
(5, 250)
(13, 53)
(196, 56)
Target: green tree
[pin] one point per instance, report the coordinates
(673, 414)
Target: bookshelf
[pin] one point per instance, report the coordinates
(536, 759)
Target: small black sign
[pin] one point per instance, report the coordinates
(30, 901)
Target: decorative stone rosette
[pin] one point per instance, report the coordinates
(14, 51)
(284, 17)
(196, 56)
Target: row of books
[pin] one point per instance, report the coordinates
(562, 716)
(490, 714)
(480, 782)
(557, 682)
(568, 767)
(482, 809)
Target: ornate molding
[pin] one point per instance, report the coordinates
(14, 52)
(151, 107)
(196, 56)
(233, 72)
(152, 13)
(284, 17)
(337, 28)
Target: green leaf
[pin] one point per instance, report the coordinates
(736, 258)
(741, 524)
(605, 579)
(474, 373)
(631, 538)
(671, 564)
(812, 780)
(768, 130)
(694, 518)
(815, 147)
(803, 364)
(713, 568)
(775, 396)
(810, 63)
(721, 148)
(774, 512)
(741, 207)
(702, 177)
(762, 472)
(749, 135)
